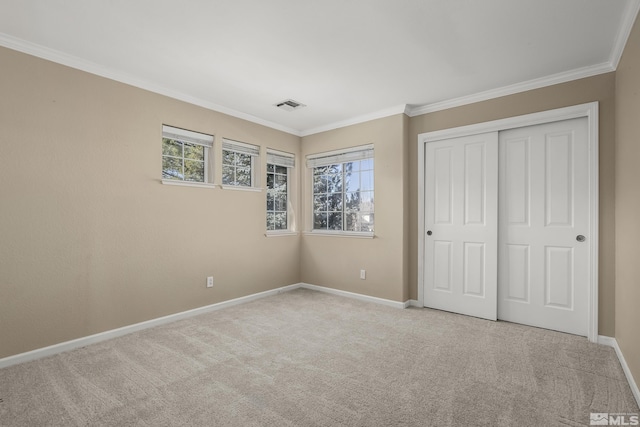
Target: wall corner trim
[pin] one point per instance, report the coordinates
(612, 342)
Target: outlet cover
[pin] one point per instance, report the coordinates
(363, 274)
(210, 282)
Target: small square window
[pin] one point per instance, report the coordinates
(238, 163)
(185, 155)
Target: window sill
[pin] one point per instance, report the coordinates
(188, 183)
(237, 187)
(353, 234)
(281, 233)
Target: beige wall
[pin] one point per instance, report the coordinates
(335, 262)
(628, 203)
(90, 238)
(600, 88)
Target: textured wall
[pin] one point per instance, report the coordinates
(90, 238)
(600, 88)
(628, 203)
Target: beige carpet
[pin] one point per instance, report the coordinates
(305, 358)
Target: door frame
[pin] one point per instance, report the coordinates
(588, 110)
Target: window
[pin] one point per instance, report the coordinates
(185, 155)
(279, 165)
(343, 190)
(238, 163)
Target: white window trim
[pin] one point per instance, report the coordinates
(339, 233)
(281, 233)
(241, 188)
(361, 152)
(188, 183)
(290, 169)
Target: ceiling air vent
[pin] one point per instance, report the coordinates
(289, 105)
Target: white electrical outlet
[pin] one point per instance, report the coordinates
(363, 274)
(210, 282)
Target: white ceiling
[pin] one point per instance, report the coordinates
(347, 60)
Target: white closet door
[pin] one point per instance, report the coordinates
(461, 207)
(544, 211)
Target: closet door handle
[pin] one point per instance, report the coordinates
(429, 233)
(580, 238)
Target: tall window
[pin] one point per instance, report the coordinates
(343, 190)
(238, 163)
(185, 155)
(279, 165)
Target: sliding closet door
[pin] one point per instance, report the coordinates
(461, 181)
(544, 241)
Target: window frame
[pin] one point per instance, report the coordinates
(185, 136)
(286, 160)
(241, 148)
(340, 157)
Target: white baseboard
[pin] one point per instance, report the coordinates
(353, 295)
(414, 303)
(114, 333)
(612, 342)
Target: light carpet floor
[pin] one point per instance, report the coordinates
(305, 358)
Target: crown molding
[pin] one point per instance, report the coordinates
(553, 79)
(387, 112)
(629, 18)
(58, 57)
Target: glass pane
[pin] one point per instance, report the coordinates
(280, 202)
(366, 222)
(319, 184)
(194, 170)
(281, 170)
(319, 203)
(243, 160)
(172, 168)
(352, 221)
(243, 177)
(335, 221)
(171, 147)
(228, 157)
(322, 170)
(334, 202)
(281, 221)
(269, 180)
(319, 221)
(334, 183)
(270, 202)
(366, 201)
(270, 221)
(334, 169)
(195, 152)
(228, 175)
(352, 201)
(366, 180)
(270, 167)
(366, 164)
(351, 181)
(281, 182)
